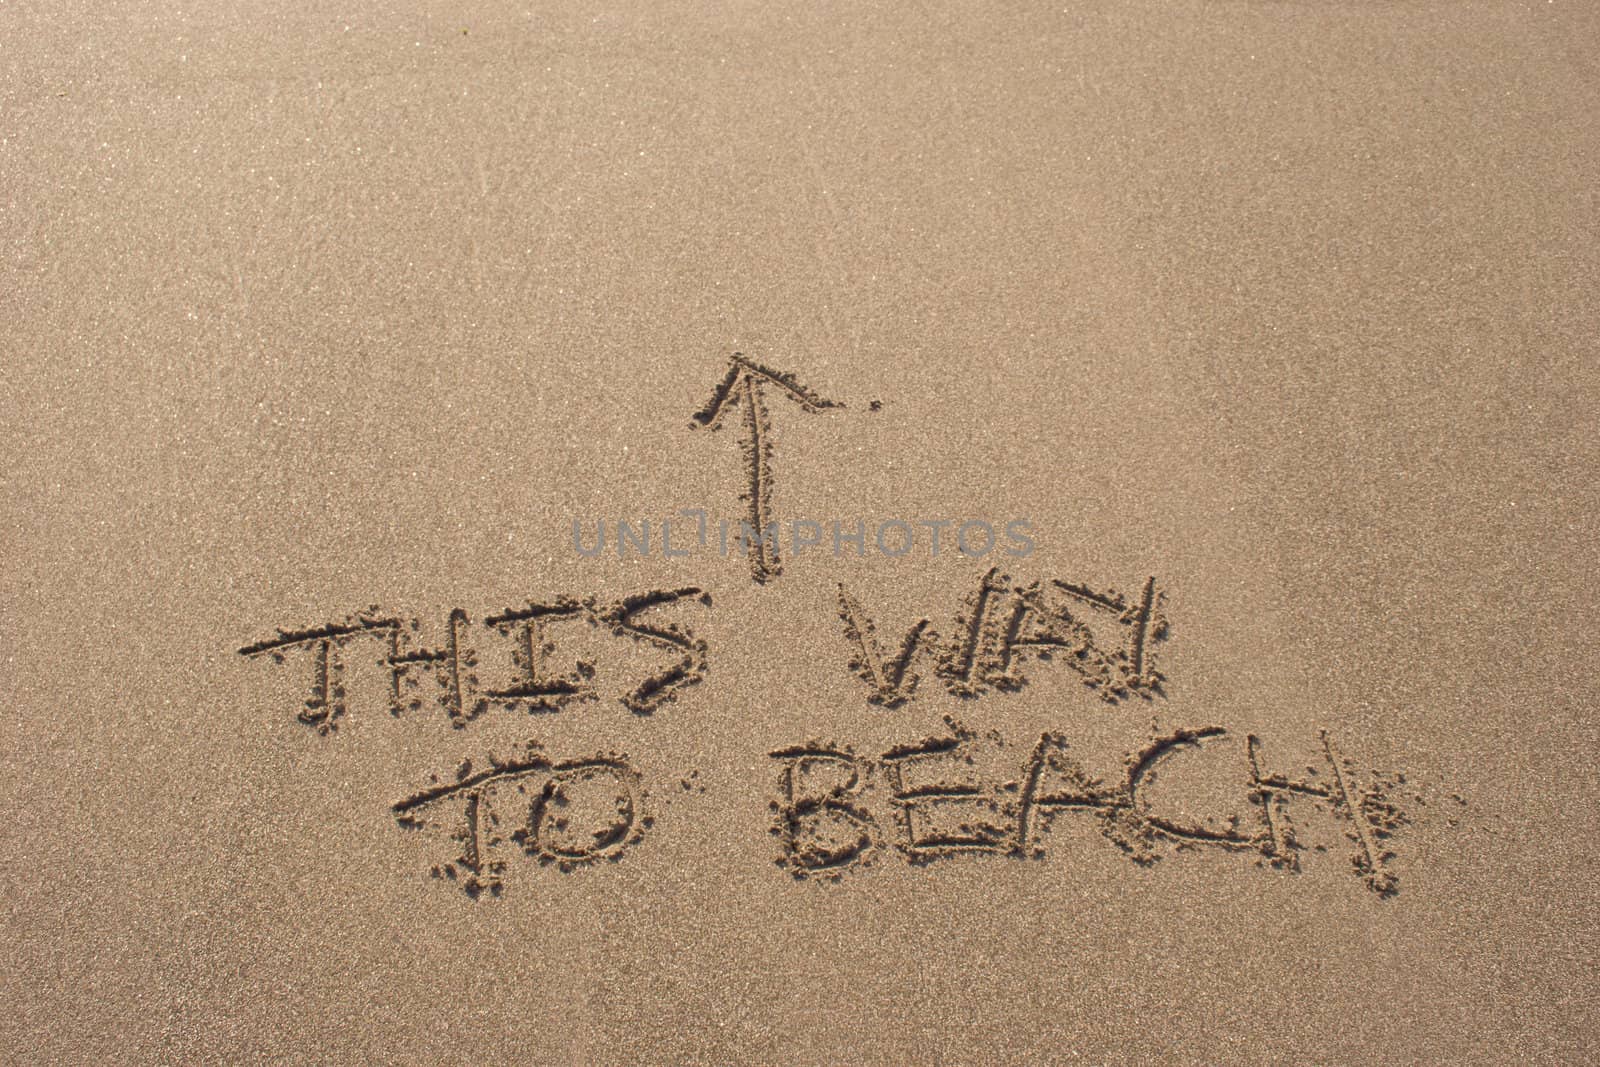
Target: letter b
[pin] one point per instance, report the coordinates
(821, 828)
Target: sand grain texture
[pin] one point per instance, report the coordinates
(1277, 320)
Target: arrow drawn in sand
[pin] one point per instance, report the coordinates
(742, 387)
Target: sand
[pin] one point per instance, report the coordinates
(1265, 735)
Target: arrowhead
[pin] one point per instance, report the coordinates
(740, 370)
(742, 386)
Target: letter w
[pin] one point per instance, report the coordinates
(892, 681)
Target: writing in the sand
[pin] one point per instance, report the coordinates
(523, 641)
(834, 810)
(567, 813)
(959, 794)
(1109, 640)
(510, 659)
(952, 796)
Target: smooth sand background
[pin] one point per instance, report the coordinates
(1290, 304)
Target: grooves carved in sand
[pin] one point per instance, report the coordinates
(566, 813)
(936, 801)
(526, 641)
(835, 810)
(741, 387)
(1001, 624)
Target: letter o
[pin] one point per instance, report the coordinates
(961, 537)
(905, 527)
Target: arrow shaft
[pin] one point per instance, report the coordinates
(763, 557)
(757, 449)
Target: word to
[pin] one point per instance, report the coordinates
(566, 813)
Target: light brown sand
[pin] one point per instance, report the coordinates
(1291, 306)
